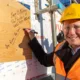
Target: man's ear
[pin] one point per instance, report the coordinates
(60, 37)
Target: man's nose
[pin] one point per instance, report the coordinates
(71, 31)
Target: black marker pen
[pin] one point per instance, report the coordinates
(30, 30)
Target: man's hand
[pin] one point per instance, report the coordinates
(30, 32)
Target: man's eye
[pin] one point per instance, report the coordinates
(77, 27)
(67, 28)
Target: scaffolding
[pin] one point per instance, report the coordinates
(51, 9)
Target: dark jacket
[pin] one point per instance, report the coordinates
(44, 58)
(64, 53)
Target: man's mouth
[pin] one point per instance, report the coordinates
(72, 38)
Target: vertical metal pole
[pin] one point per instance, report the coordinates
(53, 25)
(36, 4)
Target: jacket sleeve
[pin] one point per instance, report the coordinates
(44, 58)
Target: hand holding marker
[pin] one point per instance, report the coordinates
(30, 30)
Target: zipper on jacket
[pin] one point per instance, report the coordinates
(66, 76)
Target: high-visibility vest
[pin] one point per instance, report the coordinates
(73, 73)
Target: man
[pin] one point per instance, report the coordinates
(66, 56)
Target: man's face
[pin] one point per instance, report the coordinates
(71, 29)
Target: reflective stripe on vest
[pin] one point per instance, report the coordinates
(60, 77)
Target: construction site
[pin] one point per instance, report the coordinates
(17, 61)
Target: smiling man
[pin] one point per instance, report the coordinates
(66, 56)
(71, 31)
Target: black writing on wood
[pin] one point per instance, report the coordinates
(19, 16)
(12, 40)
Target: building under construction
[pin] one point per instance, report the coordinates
(17, 61)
